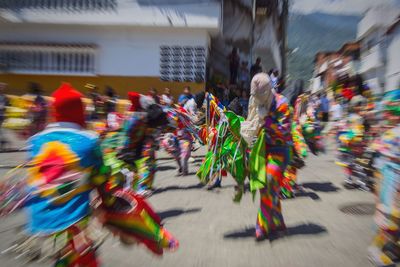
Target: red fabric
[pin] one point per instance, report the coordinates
(88, 260)
(135, 103)
(348, 93)
(68, 105)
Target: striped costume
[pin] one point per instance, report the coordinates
(299, 154)
(276, 138)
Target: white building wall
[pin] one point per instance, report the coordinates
(162, 13)
(373, 79)
(393, 61)
(122, 51)
(373, 58)
(377, 17)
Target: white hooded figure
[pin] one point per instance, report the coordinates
(261, 96)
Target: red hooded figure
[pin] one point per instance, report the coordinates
(68, 105)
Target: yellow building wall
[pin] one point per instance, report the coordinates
(17, 83)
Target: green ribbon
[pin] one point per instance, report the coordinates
(257, 163)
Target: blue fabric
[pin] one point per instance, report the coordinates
(83, 145)
(324, 104)
(47, 218)
(184, 98)
(390, 184)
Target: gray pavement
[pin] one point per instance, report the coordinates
(214, 231)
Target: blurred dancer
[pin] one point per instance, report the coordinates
(142, 129)
(385, 249)
(311, 127)
(169, 141)
(66, 167)
(185, 136)
(299, 151)
(352, 141)
(270, 119)
(64, 157)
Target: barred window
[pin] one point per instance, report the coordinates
(182, 63)
(48, 58)
(76, 5)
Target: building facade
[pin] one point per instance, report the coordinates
(392, 73)
(331, 66)
(125, 44)
(372, 37)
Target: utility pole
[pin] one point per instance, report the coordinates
(284, 21)
(253, 25)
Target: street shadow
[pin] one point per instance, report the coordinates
(165, 168)
(311, 195)
(244, 233)
(302, 193)
(176, 187)
(326, 187)
(177, 212)
(302, 229)
(306, 229)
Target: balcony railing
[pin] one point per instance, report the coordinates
(71, 5)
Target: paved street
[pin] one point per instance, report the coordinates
(214, 231)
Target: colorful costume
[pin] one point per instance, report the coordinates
(269, 121)
(386, 245)
(271, 150)
(299, 154)
(66, 166)
(353, 142)
(140, 143)
(141, 131)
(169, 141)
(227, 153)
(311, 129)
(226, 148)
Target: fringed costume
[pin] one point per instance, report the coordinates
(70, 191)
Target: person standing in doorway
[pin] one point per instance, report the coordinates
(234, 61)
(256, 68)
